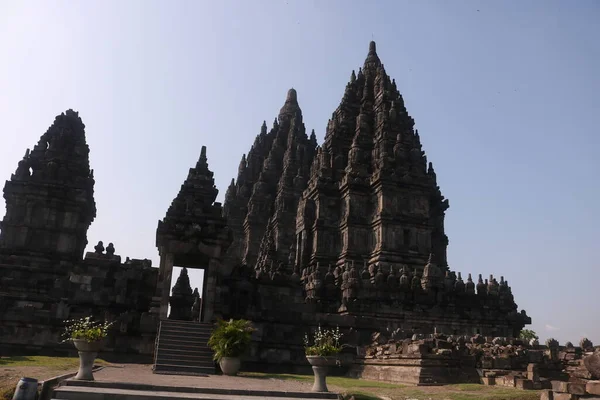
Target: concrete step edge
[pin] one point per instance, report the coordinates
(184, 389)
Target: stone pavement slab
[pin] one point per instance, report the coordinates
(100, 393)
(142, 374)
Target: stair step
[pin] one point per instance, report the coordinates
(138, 391)
(183, 369)
(179, 335)
(185, 355)
(182, 349)
(175, 344)
(169, 329)
(199, 352)
(189, 327)
(184, 323)
(208, 363)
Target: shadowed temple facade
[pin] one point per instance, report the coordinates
(347, 233)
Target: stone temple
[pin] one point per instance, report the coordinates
(347, 233)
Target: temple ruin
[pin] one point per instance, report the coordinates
(347, 233)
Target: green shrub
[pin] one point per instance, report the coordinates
(85, 328)
(230, 338)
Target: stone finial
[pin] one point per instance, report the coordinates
(292, 96)
(99, 248)
(552, 343)
(203, 156)
(110, 249)
(372, 48)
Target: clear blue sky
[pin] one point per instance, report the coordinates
(505, 96)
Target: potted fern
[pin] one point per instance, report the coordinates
(88, 337)
(321, 352)
(229, 340)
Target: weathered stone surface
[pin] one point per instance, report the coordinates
(43, 275)
(50, 198)
(568, 387)
(565, 396)
(547, 394)
(524, 384)
(592, 363)
(593, 387)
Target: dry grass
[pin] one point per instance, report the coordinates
(14, 368)
(372, 390)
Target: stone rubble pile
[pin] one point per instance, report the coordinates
(583, 367)
(564, 371)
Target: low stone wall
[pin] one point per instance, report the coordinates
(416, 370)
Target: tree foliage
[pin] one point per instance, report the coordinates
(528, 334)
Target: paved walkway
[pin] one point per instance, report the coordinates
(142, 374)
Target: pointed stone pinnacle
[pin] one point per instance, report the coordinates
(292, 96)
(372, 48)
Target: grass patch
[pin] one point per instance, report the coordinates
(374, 390)
(38, 367)
(43, 361)
(339, 381)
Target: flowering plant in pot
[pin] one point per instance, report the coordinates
(321, 352)
(88, 337)
(229, 340)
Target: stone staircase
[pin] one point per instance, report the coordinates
(181, 349)
(97, 390)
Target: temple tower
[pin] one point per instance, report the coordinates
(269, 183)
(371, 195)
(192, 234)
(50, 198)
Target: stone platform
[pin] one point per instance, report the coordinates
(137, 382)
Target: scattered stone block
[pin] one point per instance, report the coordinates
(576, 388)
(565, 396)
(592, 363)
(489, 380)
(547, 394)
(524, 384)
(593, 387)
(568, 387)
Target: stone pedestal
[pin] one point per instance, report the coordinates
(87, 354)
(86, 364)
(320, 367)
(320, 384)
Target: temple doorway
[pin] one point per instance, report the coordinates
(187, 294)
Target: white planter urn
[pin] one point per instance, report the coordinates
(88, 351)
(320, 366)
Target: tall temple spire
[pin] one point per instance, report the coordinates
(375, 152)
(372, 57)
(270, 181)
(50, 198)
